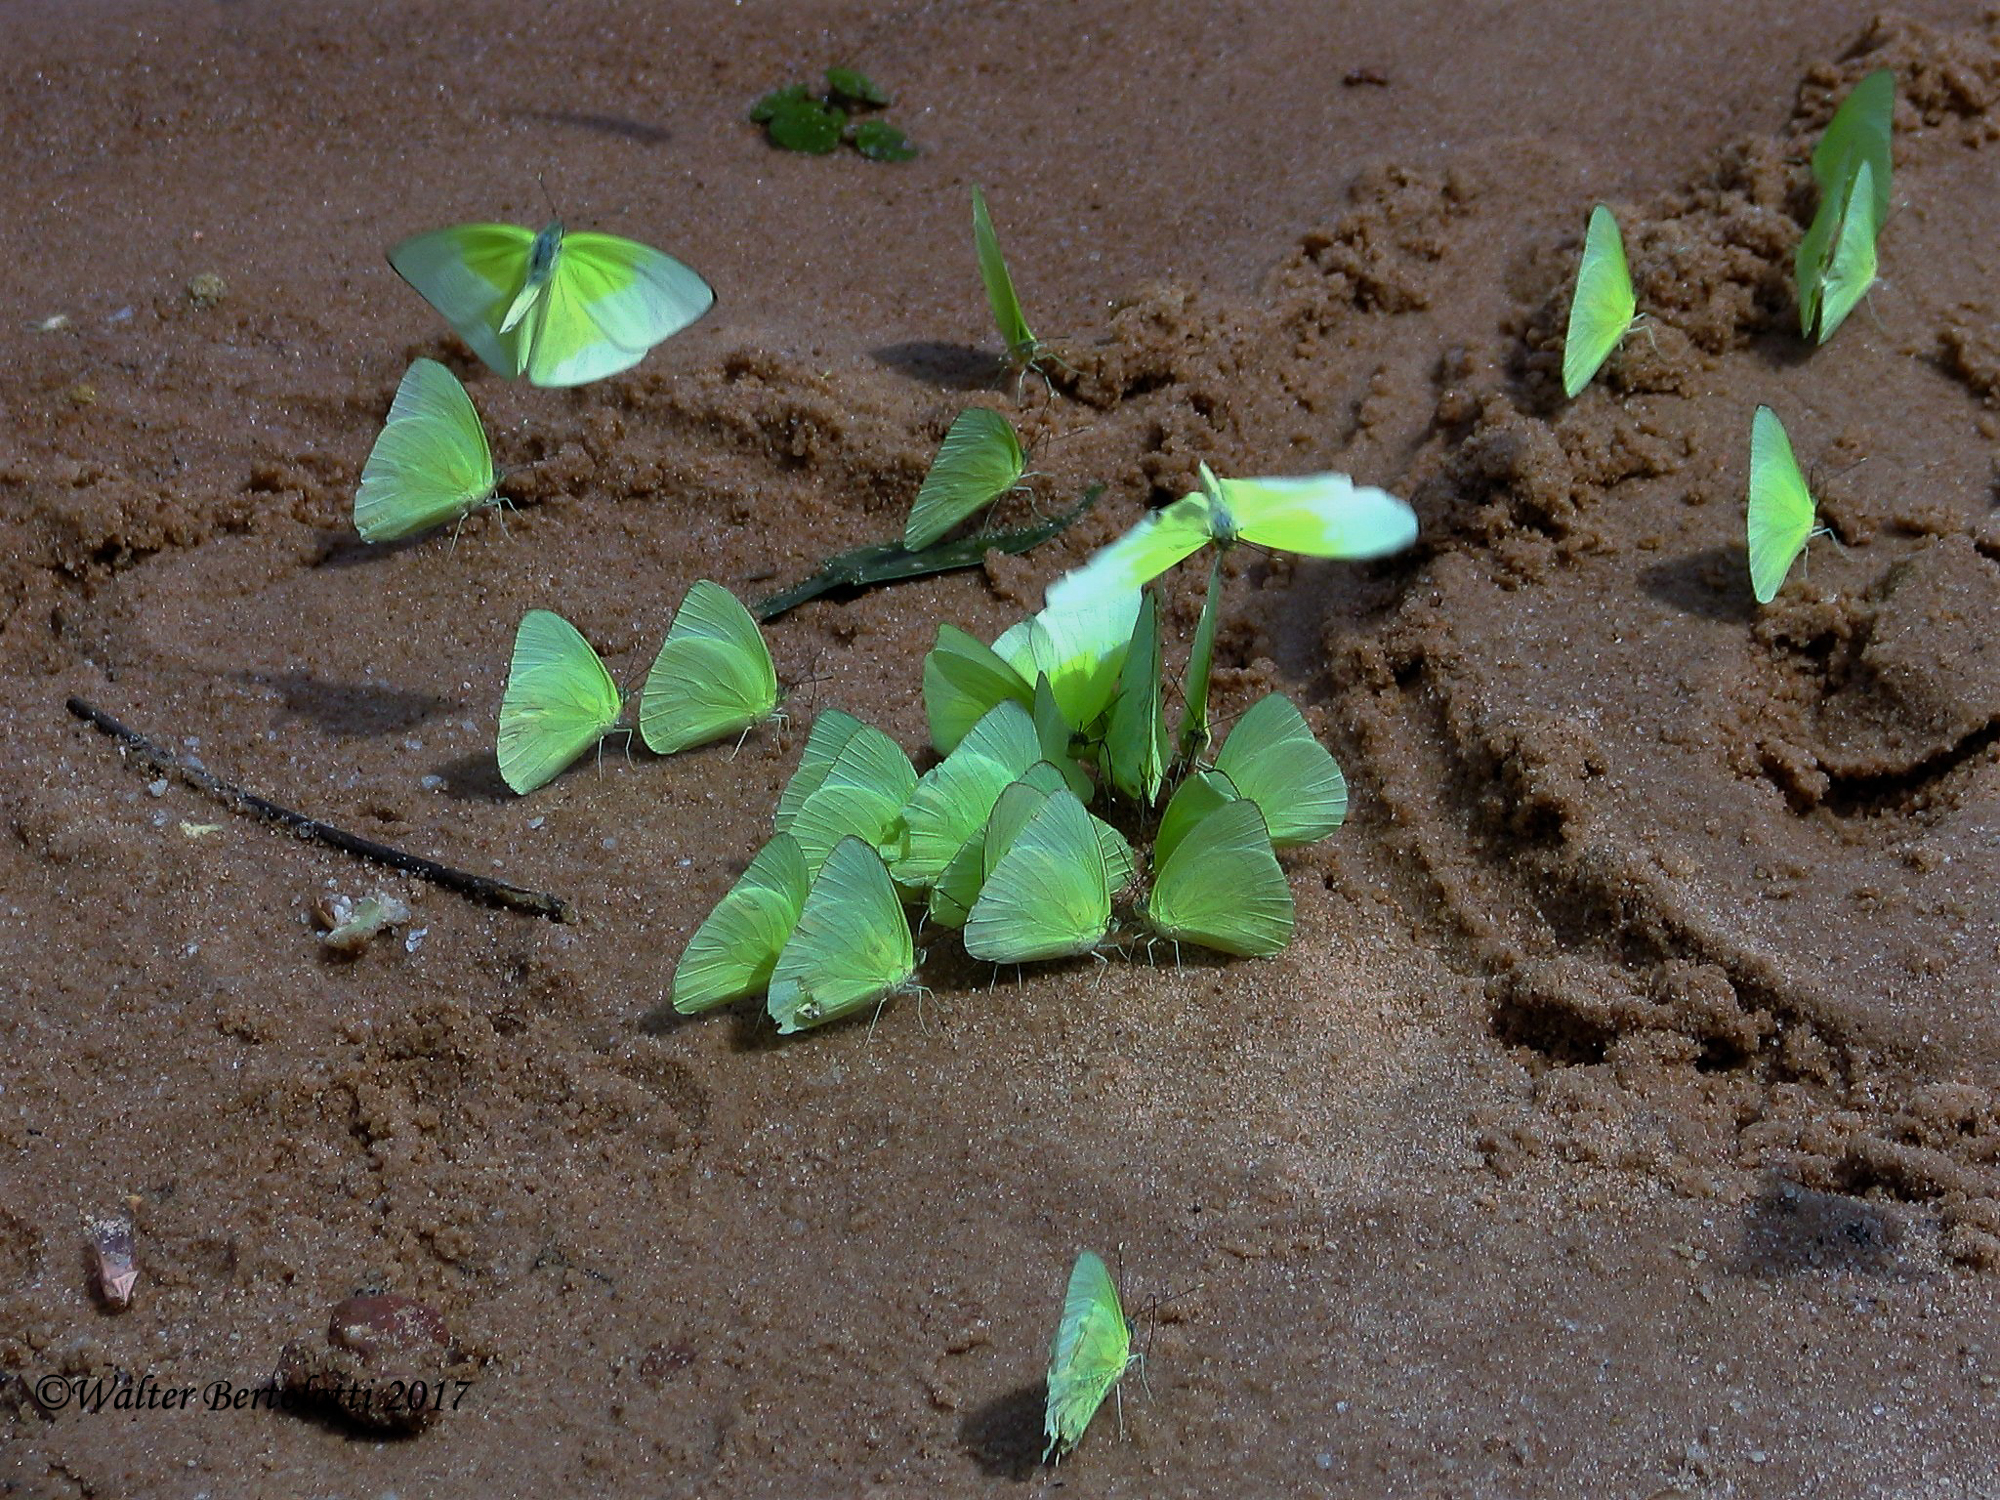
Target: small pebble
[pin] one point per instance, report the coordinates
(111, 1257)
(430, 783)
(416, 937)
(157, 788)
(536, 822)
(207, 289)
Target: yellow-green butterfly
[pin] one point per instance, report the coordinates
(1273, 758)
(1135, 742)
(1093, 1348)
(1603, 307)
(737, 945)
(830, 733)
(1215, 880)
(713, 676)
(964, 679)
(957, 889)
(1851, 210)
(1319, 515)
(430, 463)
(1079, 646)
(1047, 893)
(953, 798)
(562, 309)
(862, 794)
(1022, 347)
(559, 702)
(1833, 275)
(851, 946)
(979, 461)
(1781, 511)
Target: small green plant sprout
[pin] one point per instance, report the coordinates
(1047, 892)
(860, 794)
(1092, 1351)
(850, 948)
(1835, 262)
(713, 676)
(979, 461)
(559, 701)
(1216, 881)
(562, 309)
(1024, 351)
(733, 952)
(430, 463)
(796, 119)
(1781, 514)
(1603, 308)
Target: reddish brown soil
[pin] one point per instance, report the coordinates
(1625, 1120)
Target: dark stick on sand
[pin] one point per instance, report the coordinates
(478, 887)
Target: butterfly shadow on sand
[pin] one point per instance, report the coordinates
(943, 365)
(1712, 584)
(1004, 1436)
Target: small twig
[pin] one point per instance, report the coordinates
(478, 887)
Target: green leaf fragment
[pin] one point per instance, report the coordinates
(878, 140)
(854, 87)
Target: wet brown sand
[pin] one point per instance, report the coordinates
(1624, 1120)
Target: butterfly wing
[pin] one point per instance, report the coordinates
(952, 800)
(1135, 743)
(1194, 799)
(964, 679)
(713, 676)
(1079, 648)
(851, 946)
(559, 701)
(430, 463)
(1603, 305)
(737, 945)
(1319, 515)
(979, 461)
(1092, 1347)
(1158, 540)
(1000, 296)
(1048, 895)
(609, 301)
(1222, 887)
(862, 796)
(1851, 269)
(1273, 758)
(471, 273)
(1857, 135)
(830, 733)
(1780, 509)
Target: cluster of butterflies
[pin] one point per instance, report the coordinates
(1835, 265)
(997, 840)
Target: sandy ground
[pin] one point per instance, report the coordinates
(1625, 1120)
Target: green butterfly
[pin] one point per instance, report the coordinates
(1047, 893)
(964, 680)
(1856, 139)
(430, 463)
(1080, 647)
(851, 946)
(1318, 515)
(980, 460)
(957, 890)
(954, 797)
(562, 309)
(1272, 757)
(559, 702)
(1781, 511)
(861, 794)
(1135, 743)
(1603, 307)
(713, 676)
(1093, 1349)
(1215, 880)
(1023, 349)
(830, 733)
(1834, 273)
(732, 953)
